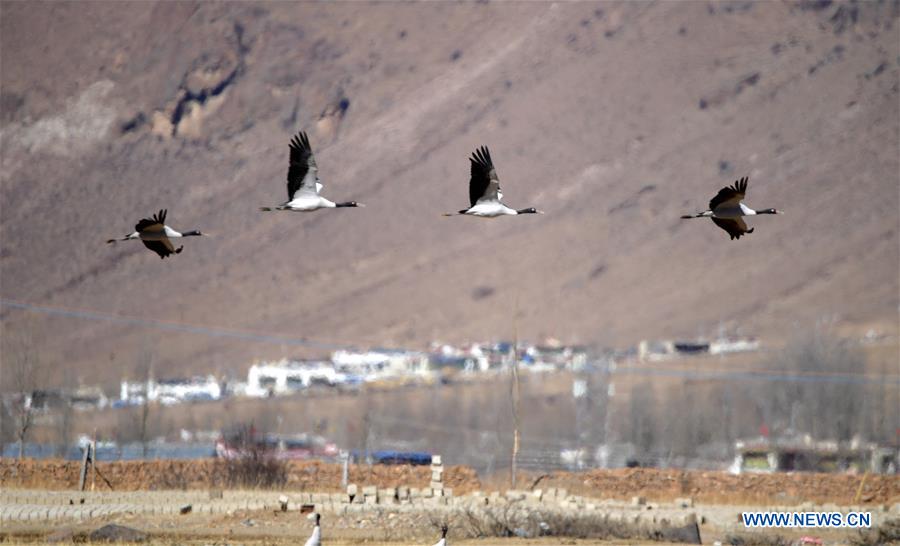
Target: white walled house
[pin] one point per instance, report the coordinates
(285, 377)
(173, 391)
(379, 363)
(170, 391)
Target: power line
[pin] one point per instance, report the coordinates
(173, 326)
(248, 335)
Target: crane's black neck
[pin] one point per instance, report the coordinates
(767, 211)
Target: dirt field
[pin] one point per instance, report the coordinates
(206, 473)
(38, 502)
(725, 488)
(655, 485)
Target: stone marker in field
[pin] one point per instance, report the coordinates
(117, 533)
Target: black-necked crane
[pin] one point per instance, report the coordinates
(315, 539)
(443, 541)
(303, 183)
(484, 190)
(156, 235)
(727, 211)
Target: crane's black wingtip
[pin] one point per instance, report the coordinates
(482, 156)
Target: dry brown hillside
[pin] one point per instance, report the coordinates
(615, 118)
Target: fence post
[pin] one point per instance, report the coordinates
(85, 459)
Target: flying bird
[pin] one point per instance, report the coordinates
(156, 235)
(315, 539)
(303, 183)
(484, 189)
(727, 211)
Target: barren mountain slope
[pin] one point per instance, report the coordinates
(613, 118)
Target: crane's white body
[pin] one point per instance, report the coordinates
(308, 199)
(490, 208)
(316, 538)
(308, 203)
(729, 211)
(443, 541)
(166, 233)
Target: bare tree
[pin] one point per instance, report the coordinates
(144, 371)
(514, 396)
(812, 402)
(6, 424)
(64, 418)
(642, 417)
(21, 370)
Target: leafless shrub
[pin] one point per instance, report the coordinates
(590, 526)
(514, 519)
(438, 519)
(256, 469)
(254, 466)
(886, 533)
(486, 522)
(756, 539)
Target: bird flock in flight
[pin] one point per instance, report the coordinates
(726, 209)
